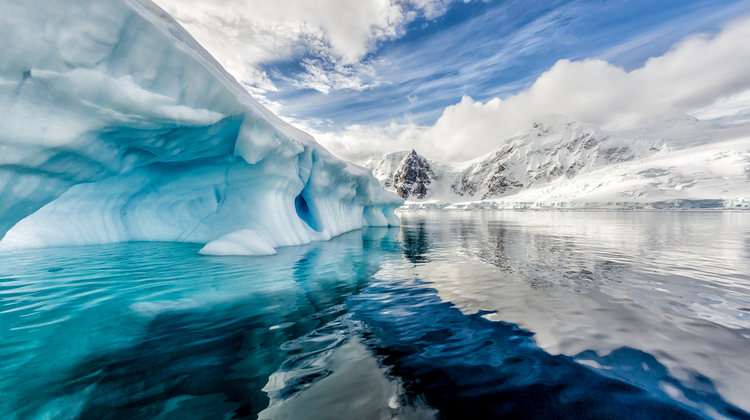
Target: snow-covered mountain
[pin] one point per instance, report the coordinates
(558, 162)
(116, 125)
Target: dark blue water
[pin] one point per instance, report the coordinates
(536, 315)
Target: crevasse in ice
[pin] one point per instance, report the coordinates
(116, 125)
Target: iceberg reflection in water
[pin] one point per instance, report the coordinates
(453, 315)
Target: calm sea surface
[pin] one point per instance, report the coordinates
(466, 315)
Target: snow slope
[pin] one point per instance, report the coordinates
(557, 162)
(115, 125)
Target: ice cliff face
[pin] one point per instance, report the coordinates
(115, 125)
(561, 162)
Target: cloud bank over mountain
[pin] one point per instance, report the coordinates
(703, 75)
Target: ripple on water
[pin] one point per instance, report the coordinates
(480, 315)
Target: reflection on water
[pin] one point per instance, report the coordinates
(675, 285)
(135, 330)
(454, 315)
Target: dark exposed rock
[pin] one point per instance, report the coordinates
(542, 129)
(590, 143)
(464, 187)
(573, 169)
(500, 184)
(413, 176)
(503, 153)
(618, 154)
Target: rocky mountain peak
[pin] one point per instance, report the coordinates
(412, 176)
(549, 152)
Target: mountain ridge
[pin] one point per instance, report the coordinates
(557, 161)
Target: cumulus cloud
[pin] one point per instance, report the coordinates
(245, 34)
(704, 75)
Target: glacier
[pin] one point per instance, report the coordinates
(556, 162)
(118, 126)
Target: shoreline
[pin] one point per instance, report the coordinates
(737, 204)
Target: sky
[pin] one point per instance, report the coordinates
(454, 78)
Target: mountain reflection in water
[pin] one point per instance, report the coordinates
(454, 315)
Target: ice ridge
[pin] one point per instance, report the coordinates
(118, 126)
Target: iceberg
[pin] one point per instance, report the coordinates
(118, 126)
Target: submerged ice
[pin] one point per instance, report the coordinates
(118, 126)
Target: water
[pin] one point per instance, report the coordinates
(622, 315)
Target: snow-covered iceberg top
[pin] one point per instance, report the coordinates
(116, 125)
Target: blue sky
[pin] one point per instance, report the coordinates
(454, 78)
(493, 49)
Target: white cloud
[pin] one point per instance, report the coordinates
(735, 108)
(325, 76)
(358, 143)
(244, 34)
(705, 74)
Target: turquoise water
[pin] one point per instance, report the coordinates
(453, 315)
